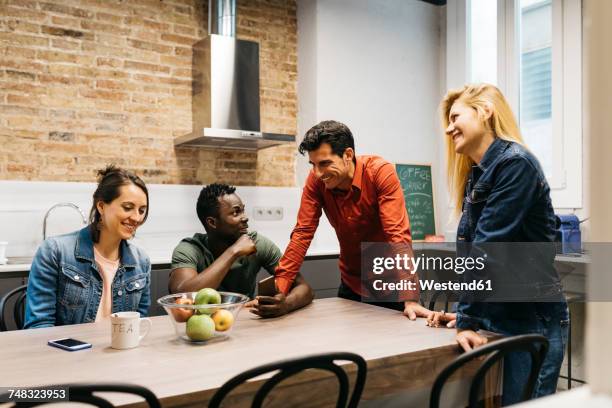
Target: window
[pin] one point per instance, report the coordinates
(531, 49)
(535, 98)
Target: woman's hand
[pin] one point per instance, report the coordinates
(436, 319)
(469, 339)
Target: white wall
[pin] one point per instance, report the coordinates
(597, 89)
(172, 215)
(375, 65)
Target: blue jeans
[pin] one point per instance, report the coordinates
(552, 322)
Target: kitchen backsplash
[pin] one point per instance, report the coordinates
(172, 215)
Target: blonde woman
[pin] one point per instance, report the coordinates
(504, 199)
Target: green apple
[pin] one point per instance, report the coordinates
(207, 296)
(200, 327)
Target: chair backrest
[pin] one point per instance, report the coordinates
(288, 368)
(534, 344)
(84, 393)
(447, 296)
(19, 294)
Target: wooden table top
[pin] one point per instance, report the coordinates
(172, 367)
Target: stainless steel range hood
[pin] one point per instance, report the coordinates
(225, 104)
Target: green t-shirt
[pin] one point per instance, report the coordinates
(241, 278)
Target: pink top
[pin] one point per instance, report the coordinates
(107, 270)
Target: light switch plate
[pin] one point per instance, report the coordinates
(268, 213)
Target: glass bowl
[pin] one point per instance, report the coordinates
(202, 323)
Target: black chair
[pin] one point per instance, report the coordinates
(18, 308)
(84, 393)
(288, 368)
(535, 344)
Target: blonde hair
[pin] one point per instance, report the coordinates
(502, 123)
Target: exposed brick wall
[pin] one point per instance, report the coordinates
(88, 82)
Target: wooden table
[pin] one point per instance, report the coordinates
(402, 355)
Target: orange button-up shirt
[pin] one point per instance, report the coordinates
(373, 210)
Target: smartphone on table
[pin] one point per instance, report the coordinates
(69, 344)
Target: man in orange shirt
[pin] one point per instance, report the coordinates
(363, 201)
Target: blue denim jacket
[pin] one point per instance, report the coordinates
(64, 286)
(507, 200)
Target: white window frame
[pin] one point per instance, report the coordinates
(566, 182)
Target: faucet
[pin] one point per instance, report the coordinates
(76, 207)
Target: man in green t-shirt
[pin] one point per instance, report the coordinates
(228, 257)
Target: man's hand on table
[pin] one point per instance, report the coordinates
(437, 319)
(414, 310)
(269, 306)
(469, 339)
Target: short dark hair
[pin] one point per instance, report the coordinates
(336, 134)
(208, 201)
(110, 179)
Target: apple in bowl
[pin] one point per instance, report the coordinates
(182, 314)
(200, 327)
(224, 319)
(207, 296)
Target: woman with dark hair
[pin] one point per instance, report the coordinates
(86, 275)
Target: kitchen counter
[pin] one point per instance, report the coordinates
(160, 261)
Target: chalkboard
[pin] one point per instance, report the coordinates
(416, 182)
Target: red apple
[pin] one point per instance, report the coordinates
(181, 315)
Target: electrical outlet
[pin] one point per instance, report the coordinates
(268, 213)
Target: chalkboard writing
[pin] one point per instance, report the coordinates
(416, 183)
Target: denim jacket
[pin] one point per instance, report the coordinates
(65, 287)
(507, 201)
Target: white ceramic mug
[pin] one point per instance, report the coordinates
(125, 329)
